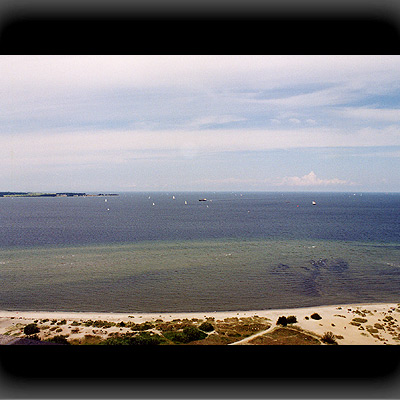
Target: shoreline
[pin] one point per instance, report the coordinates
(148, 316)
(360, 323)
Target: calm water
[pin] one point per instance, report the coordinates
(236, 251)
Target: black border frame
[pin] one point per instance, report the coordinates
(199, 371)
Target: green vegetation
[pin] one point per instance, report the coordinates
(31, 329)
(59, 339)
(360, 320)
(291, 319)
(141, 339)
(188, 334)
(142, 327)
(286, 336)
(282, 321)
(206, 327)
(99, 324)
(329, 338)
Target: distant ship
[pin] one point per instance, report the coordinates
(314, 203)
(202, 199)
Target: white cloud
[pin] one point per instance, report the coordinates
(275, 121)
(311, 180)
(375, 114)
(63, 147)
(215, 120)
(202, 71)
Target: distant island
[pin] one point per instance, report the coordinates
(66, 194)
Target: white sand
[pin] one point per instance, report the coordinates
(336, 319)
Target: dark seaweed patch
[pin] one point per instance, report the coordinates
(338, 265)
(322, 262)
(283, 266)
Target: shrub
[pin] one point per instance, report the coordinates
(144, 326)
(282, 321)
(206, 327)
(59, 339)
(316, 316)
(99, 323)
(189, 334)
(193, 333)
(329, 338)
(142, 339)
(31, 329)
(291, 319)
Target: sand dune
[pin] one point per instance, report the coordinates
(352, 324)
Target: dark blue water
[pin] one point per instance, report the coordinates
(133, 218)
(236, 251)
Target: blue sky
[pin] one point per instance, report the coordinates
(133, 123)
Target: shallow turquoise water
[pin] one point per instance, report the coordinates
(198, 275)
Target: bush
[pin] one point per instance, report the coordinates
(291, 319)
(206, 327)
(99, 323)
(59, 339)
(282, 321)
(144, 326)
(329, 338)
(192, 333)
(142, 339)
(189, 334)
(316, 316)
(31, 329)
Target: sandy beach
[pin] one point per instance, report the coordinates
(351, 324)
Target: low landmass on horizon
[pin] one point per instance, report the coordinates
(40, 194)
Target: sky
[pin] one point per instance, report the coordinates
(200, 123)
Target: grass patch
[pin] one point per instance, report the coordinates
(285, 336)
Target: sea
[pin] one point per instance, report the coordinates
(170, 252)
